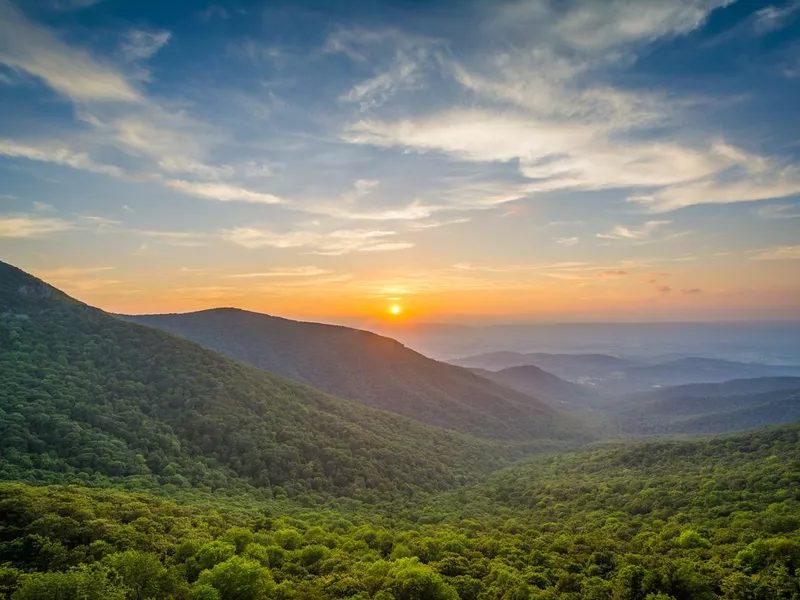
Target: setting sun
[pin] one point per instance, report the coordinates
(395, 309)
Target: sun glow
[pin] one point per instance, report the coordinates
(395, 309)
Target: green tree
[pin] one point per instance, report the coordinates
(239, 578)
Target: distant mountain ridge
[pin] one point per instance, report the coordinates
(371, 369)
(613, 374)
(534, 381)
(711, 408)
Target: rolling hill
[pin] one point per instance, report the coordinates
(538, 383)
(711, 408)
(615, 375)
(87, 397)
(370, 369)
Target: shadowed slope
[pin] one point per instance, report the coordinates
(370, 369)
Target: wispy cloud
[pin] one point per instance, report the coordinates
(619, 232)
(334, 243)
(567, 241)
(400, 69)
(535, 108)
(778, 211)
(27, 47)
(222, 192)
(779, 253)
(774, 17)
(53, 152)
(142, 45)
(31, 226)
(612, 274)
(282, 272)
(185, 239)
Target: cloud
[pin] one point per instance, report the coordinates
(566, 241)
(186, 239)
(538, 102)
(664, 289)
(398, 61)
(779, 253)
(25, 46)
(558, 155)
(692, 291)
(432, 224)
(222, 192)
(55, 153)
(758, 179)
(779, 211)
(335, 243)
(600, 27)
(43, 207)
(142, 45)
(284, 272)
(27, 226)
(612, 274)
(772, 18)
(122, 122)
(620, 232)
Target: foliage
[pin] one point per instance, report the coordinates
(707, 519)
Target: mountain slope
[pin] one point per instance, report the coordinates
(702, 370)
(370, 369)
(614, 375)
(537, 382)
(566, 366)
(88, 397)
(711, 408)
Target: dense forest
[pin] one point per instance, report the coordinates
(137, 465)
(681, 520)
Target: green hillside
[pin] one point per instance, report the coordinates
(371, 369)
(704, 520)
(89, 398)
(711, 408)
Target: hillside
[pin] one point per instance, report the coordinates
(614, 375)
(707, 519)
(371, 369)
(88, 397)
(536, 382)
(711, 408)
(702, 370)
(566, 366)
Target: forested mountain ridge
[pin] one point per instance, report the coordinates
(371, 369)
(710, 408)
(88, 397)
(537, 382)
(613, 375)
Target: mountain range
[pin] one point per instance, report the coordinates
(370, 369)
(622, 375)
(89, 397)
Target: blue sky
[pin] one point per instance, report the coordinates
(469, 160)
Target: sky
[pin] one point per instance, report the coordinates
(506, 161)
